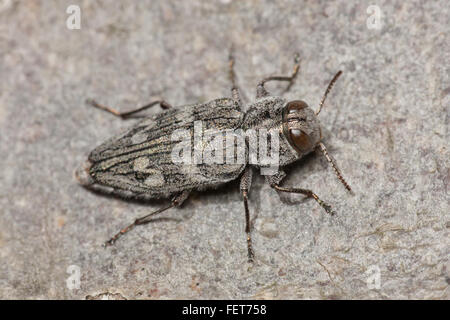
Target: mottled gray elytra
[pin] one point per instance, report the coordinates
(138, 163)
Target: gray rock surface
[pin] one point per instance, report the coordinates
(387, 126)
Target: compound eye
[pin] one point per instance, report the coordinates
(300, 139)
(293, 115)
(295, 106)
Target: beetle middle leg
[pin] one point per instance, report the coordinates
(176, 202)
(261, 90)
(246, 181)
(164, 104)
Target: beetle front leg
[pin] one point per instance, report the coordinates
(261, 90)
(234, 88)
(307, 193)
(275, 181)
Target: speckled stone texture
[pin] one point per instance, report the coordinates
(386, 124)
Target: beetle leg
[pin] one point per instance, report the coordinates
(307, 193)
(127, 114)
(246, 181)
(261, 90)
(176, 202)
(234, 89)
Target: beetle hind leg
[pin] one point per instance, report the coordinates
(177, 201)
(124, 115)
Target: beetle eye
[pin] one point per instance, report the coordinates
(293, 113)
(300, 139)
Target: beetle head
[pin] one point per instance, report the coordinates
(301, 126)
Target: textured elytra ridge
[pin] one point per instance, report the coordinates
(139, 162)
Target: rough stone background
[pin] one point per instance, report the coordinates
(387, 121)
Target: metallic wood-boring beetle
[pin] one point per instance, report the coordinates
(138, 164)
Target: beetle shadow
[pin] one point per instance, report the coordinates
(162, 219)
(133, 200)
(226, 190)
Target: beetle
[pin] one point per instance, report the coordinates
(139, 162)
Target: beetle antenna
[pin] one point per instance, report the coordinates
(334, 166)
(328, 90)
